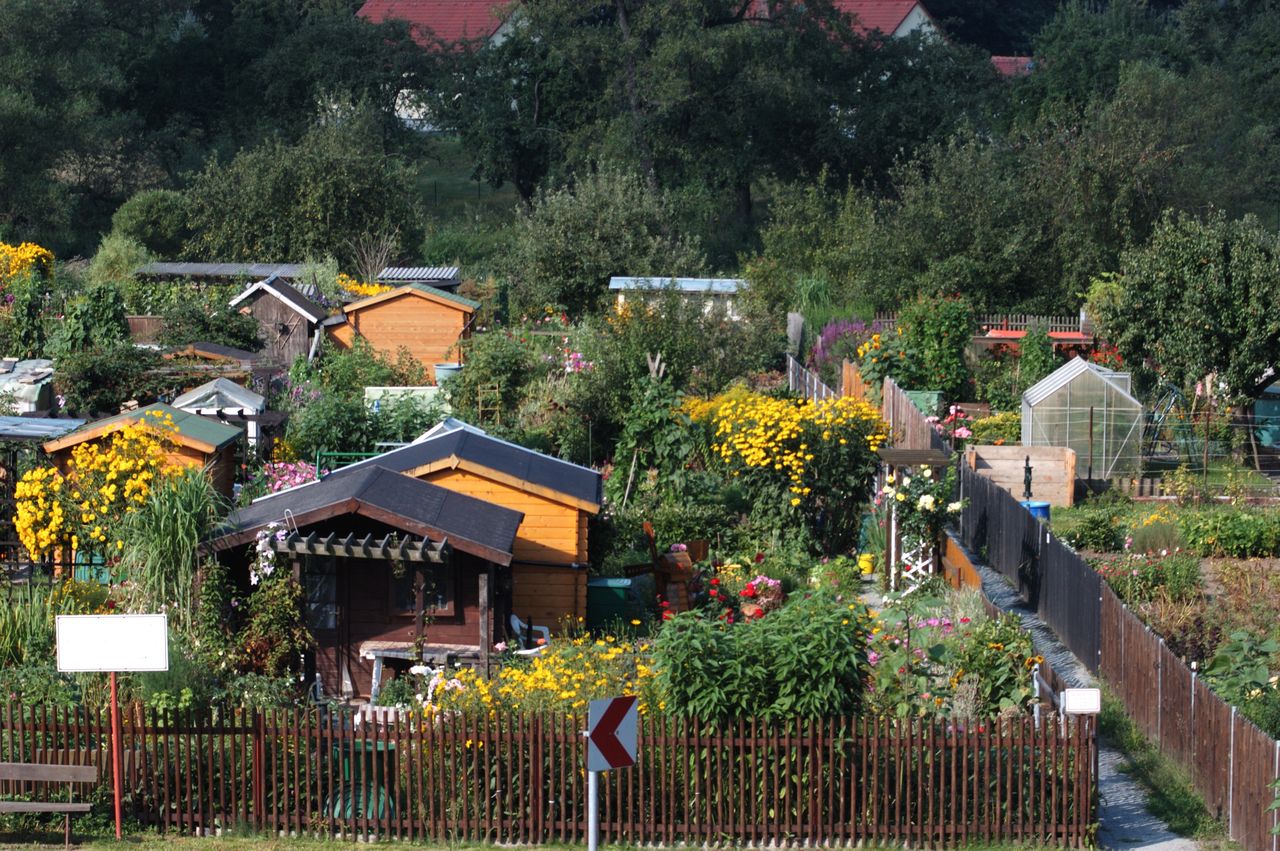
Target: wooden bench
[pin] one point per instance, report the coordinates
(26, 772)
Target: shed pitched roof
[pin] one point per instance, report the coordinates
(462, 445)
(221, 393)
(447, 20)
(191, 429)
(435, 294)
(277, 288)
(408, 504)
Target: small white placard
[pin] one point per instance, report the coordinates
(113, 642)
(1081, 701)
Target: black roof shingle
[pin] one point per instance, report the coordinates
(411, 505)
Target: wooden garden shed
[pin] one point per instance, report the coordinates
(549, 558)
(288, 321)
(427, 321)
(387, 563)
(200, 442)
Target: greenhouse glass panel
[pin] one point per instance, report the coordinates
(1087, 409)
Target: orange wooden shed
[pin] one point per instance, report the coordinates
(426, 321)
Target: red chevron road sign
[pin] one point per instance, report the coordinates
(611, 733)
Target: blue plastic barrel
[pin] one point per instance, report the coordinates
(1039, 510)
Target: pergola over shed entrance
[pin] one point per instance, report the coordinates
(379, 553)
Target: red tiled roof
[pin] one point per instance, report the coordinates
(883, 15)
(449, 20)
(1012, 66)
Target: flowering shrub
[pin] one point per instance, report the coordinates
(564, 678)
(799, 460)
(281, 475)
(840, 340)
(18, 260)
(105, 480)
(927, 660)
(921, 498)
(360, 289)
(954, 426)
(887, 354)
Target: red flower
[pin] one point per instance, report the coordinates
(759, 613)
(964, 620)
(665, 604)
(715, 581)
(666, 616)
(749, 591)
(715, 593)
(111, 604)
(759, 557)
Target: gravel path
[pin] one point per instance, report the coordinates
(1122, 812)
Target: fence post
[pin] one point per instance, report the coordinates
(1231, 777)
(1275, 814)
(1160, 696)
(259, 773)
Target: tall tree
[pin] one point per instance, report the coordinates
(1200, 299)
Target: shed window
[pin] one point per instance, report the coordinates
(320, 588)
(437, 595)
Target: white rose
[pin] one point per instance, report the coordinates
(925, 502)
(954, 507)
(927, 472)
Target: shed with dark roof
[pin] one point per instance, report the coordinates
(378, 552)
(427, 321)
(288, 321)
(557, 498)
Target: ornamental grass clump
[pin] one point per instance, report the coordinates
(105, 481)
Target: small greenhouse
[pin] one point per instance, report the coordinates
(1089, 409)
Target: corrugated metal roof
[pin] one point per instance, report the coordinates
(411, 274)
(711, 286)
(36, 428)
(221, 270)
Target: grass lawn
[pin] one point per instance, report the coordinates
(446, 189)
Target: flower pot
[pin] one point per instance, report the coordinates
(446, 370)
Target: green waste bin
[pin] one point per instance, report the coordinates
(927, 401)
(609, 602)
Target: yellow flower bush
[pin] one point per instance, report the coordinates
(105, 480)
(361, 288)
(20, 259)
(570, 673)
(794, 454)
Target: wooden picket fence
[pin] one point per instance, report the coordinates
(520, 779)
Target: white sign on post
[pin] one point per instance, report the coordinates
(1081, 701)
(112, 642)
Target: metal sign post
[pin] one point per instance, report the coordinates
(611, 743)
(111, 643)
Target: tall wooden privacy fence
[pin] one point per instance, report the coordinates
(907, 423)
(520, 779)
(1231, 762)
